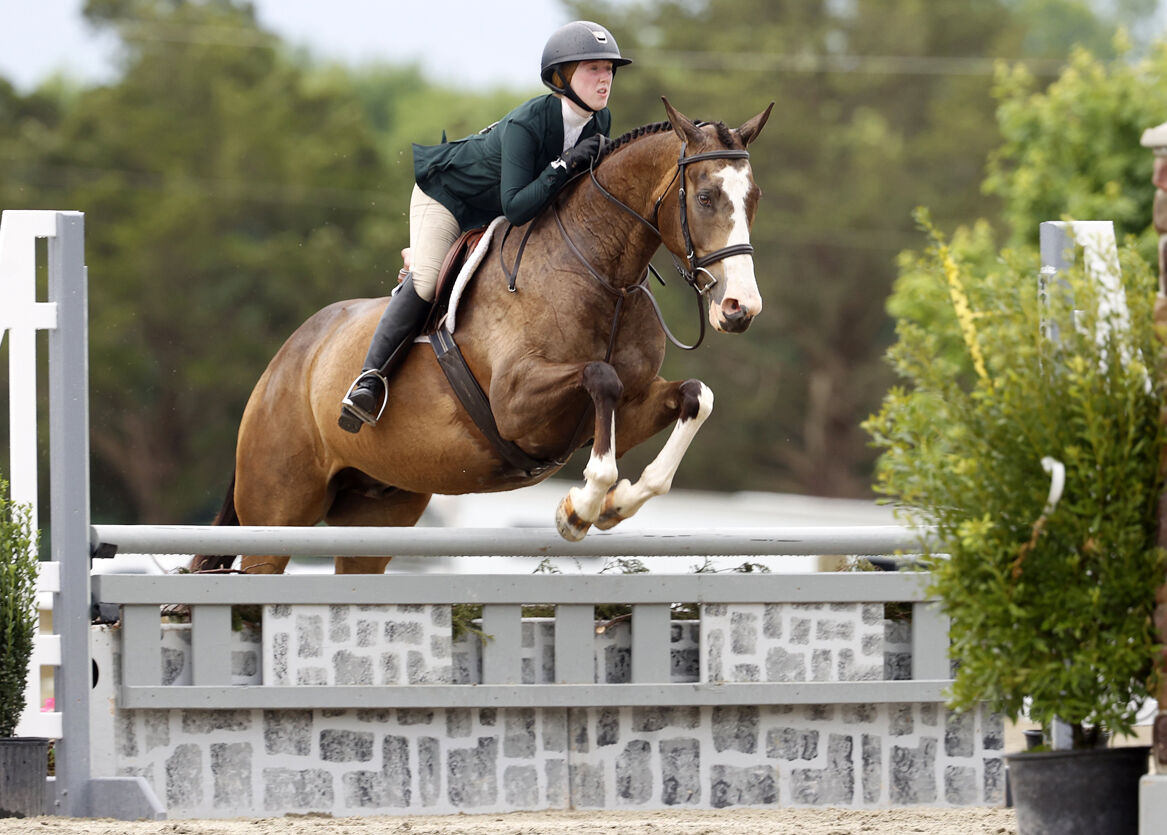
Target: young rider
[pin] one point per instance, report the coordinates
(513, 168)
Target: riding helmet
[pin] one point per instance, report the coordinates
(580, 40)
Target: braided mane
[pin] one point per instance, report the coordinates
(723, 133)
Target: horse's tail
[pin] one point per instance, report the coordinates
(225, 516)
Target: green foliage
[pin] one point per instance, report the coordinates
(852, 146)
(232, 187)
(18, 612)
(1054, 605)
(1072, 149)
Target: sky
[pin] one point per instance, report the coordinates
(491, 44)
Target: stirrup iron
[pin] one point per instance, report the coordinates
(360, 414)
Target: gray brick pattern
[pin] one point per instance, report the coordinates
(793, 642)
(352, 645)
(228, 763)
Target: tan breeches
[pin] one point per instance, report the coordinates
(432, 231)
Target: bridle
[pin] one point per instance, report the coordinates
(693, 267)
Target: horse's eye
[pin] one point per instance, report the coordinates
(704, 200)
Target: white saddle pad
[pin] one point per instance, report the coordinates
(468, 267)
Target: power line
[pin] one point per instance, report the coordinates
(839, 63)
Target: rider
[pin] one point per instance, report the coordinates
(512, 168)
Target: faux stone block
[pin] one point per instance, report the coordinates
(472, 775)
(395, 770)
(680, 772)
(735, 729)
(752, 786)
(522, 786)
(634, 781)
(184, 777)
(429, 769)
(346, 746)
(587, 785)
(913, 773)
(231, 767)
(301, 790)
(960, 785)
(872, 773)
(792, 744)
(830, 786)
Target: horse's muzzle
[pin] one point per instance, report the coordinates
(735, 320)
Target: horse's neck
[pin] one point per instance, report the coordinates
(615, 241)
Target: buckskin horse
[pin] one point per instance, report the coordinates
(561, 335)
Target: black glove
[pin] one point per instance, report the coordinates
(580, 157)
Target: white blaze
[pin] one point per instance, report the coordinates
(739, 282)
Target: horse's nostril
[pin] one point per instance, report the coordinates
(734, 311)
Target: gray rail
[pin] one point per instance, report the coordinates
(105, 540)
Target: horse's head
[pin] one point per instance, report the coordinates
(711, 230)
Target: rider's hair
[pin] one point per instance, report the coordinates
(562, 74)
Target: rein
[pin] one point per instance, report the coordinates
(694, 264)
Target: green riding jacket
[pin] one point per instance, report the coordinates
(505, 170)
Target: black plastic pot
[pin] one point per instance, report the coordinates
(1086, 792)
(24, 768)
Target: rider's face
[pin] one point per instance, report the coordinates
(592, 82)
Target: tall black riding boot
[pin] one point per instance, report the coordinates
(400, 323)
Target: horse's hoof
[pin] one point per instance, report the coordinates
(608, 520)
(610, 513)
(570, 526)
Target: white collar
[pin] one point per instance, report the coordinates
(572, 119)
(573, 125)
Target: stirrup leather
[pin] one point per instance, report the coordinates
(355, 410)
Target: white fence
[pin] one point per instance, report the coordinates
(21, 316)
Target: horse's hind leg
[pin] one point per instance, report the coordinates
(581, 507)
(689, 403)
(396, 508)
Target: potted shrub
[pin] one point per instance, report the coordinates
(23, 760)
(1050, 596)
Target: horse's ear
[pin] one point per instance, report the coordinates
(750, 130)
(681, 123)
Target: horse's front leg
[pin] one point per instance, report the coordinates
(582, 505)
(689, 404)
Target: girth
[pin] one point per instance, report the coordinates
(477, 404)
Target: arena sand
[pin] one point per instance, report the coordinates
(977, 821)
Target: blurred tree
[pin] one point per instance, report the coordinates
(883, 105)
(229, 193)
(1072, 149)
(1068, 150)
(232, 187)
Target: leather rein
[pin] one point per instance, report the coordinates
(693, 266)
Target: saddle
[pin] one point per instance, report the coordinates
(448, 274)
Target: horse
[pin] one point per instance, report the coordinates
(560, 332)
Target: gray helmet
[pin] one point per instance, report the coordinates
(580, 40)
